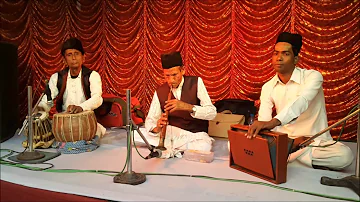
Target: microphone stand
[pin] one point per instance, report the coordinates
(26, 122)
(153, 151)
(351, 182)
(31, 154)
(129, 177)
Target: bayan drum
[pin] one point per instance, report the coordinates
(74, 127)
(43, 137)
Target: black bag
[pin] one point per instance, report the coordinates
(236, 106)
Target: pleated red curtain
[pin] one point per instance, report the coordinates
(227, 42)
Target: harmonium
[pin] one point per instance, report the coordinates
(264, 156)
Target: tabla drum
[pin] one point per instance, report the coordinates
(74, 127)
(42, 134)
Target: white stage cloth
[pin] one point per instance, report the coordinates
(111, 155)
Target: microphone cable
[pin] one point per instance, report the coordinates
(114, 173)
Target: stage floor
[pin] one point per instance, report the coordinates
(111, 156)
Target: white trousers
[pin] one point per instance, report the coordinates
(100, 130)
(177, 139)
(336, 157)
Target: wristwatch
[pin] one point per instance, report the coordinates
(193, 110)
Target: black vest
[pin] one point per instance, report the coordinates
(61, 85)
(183, 119)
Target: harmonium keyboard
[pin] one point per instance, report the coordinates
(264, 156)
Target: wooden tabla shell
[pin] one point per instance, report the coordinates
(74, 127)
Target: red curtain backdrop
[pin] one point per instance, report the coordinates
(228, 43)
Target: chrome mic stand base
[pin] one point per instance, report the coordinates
(351, 182)
(34, 157)
(29, 156)
(130, 178)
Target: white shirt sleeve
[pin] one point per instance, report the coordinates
(154, 113)
(206, 110)
(54, 92)
(96, 93)
(313, 83)
(266, 104)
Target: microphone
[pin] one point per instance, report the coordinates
(156, 153)
(48, 92)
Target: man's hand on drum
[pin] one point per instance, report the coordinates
(257, 126)
(73, 109)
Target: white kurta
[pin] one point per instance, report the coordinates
(74, 94)
(300, 107)
(176, 138)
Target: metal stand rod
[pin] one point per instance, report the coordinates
(128, 122)
(151, 148)
(31, 154)
(358, 147)
(154, 152)
(353, 181)
(308, 141)
(32, 111)
(129, 177)
(30, 120)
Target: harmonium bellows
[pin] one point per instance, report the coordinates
(264, 156)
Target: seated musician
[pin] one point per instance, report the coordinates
(76, 88)
(189, 108)
(298, 98)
